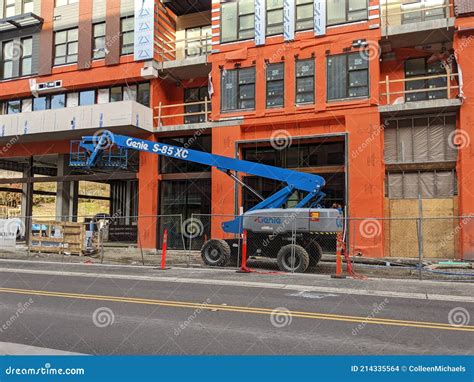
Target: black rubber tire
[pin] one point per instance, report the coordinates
(315, 253)
(301, 259)
(215, 253)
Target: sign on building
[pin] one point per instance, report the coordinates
(319, 17)
(144, 30)
(260, 22)
(289, 20)
(9, 230)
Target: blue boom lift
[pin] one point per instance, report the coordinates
(267, 220)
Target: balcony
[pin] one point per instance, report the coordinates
(416, 23)
(425, 93)
(183, 58)
(187, 116)
(72, 122)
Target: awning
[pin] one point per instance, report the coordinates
(22, 21)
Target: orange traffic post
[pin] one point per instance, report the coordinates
(243, 266)
(163, 249)
(339, 245)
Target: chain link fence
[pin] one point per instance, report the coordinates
(274, 242)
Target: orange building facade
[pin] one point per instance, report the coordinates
(375, 96)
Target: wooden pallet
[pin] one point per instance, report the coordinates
(57, 237)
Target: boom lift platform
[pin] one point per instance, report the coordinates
(266, 219)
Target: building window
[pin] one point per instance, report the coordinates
(275, 75)
(13, 107)
(238, 89)
(419, 67)
(347, 76)
(346, 11)
(58, 101)
(423, 10)
(28, 6)
(87, 97)
(196, 96)
(40, 103)
(99, 41)
(127, 35)
(274, 17)
(198, 41)
(7, 59)
(237, 20)
(143, 94)
(9, 8)
(304, 14)
(428, 184)
(60, 3)
(116, 94)
(65, 46)
(420, 140)
(305, 81)
(26, 68)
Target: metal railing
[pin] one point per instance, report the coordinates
(390, 94)
(164, 112)
(168, 50)
(396, 14)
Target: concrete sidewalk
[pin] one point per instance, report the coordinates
(413, 289)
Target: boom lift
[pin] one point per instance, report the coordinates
(266, 222)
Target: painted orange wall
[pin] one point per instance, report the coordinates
(464, 48)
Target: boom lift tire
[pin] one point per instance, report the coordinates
(216, 253)
(315, 254)
(295, 254)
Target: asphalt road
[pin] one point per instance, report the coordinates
(124, 315)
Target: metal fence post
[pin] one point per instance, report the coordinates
(420, 236)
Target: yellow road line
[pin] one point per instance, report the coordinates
(242, 309)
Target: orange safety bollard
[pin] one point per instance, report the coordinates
(339, 245)
(243, 266)
(163, 250)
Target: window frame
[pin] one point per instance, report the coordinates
(202, 49)
(7, 7)
(127, 32)
(347, 79)
(347, 13)
(67, 45)
(239, 90)
(4, 61)
(267, 81)
(23, 57)
(23, 5)
(95, 50)
(267, 25)
(313, 76)
(66, 2)
(239, 30)
(311, 17)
